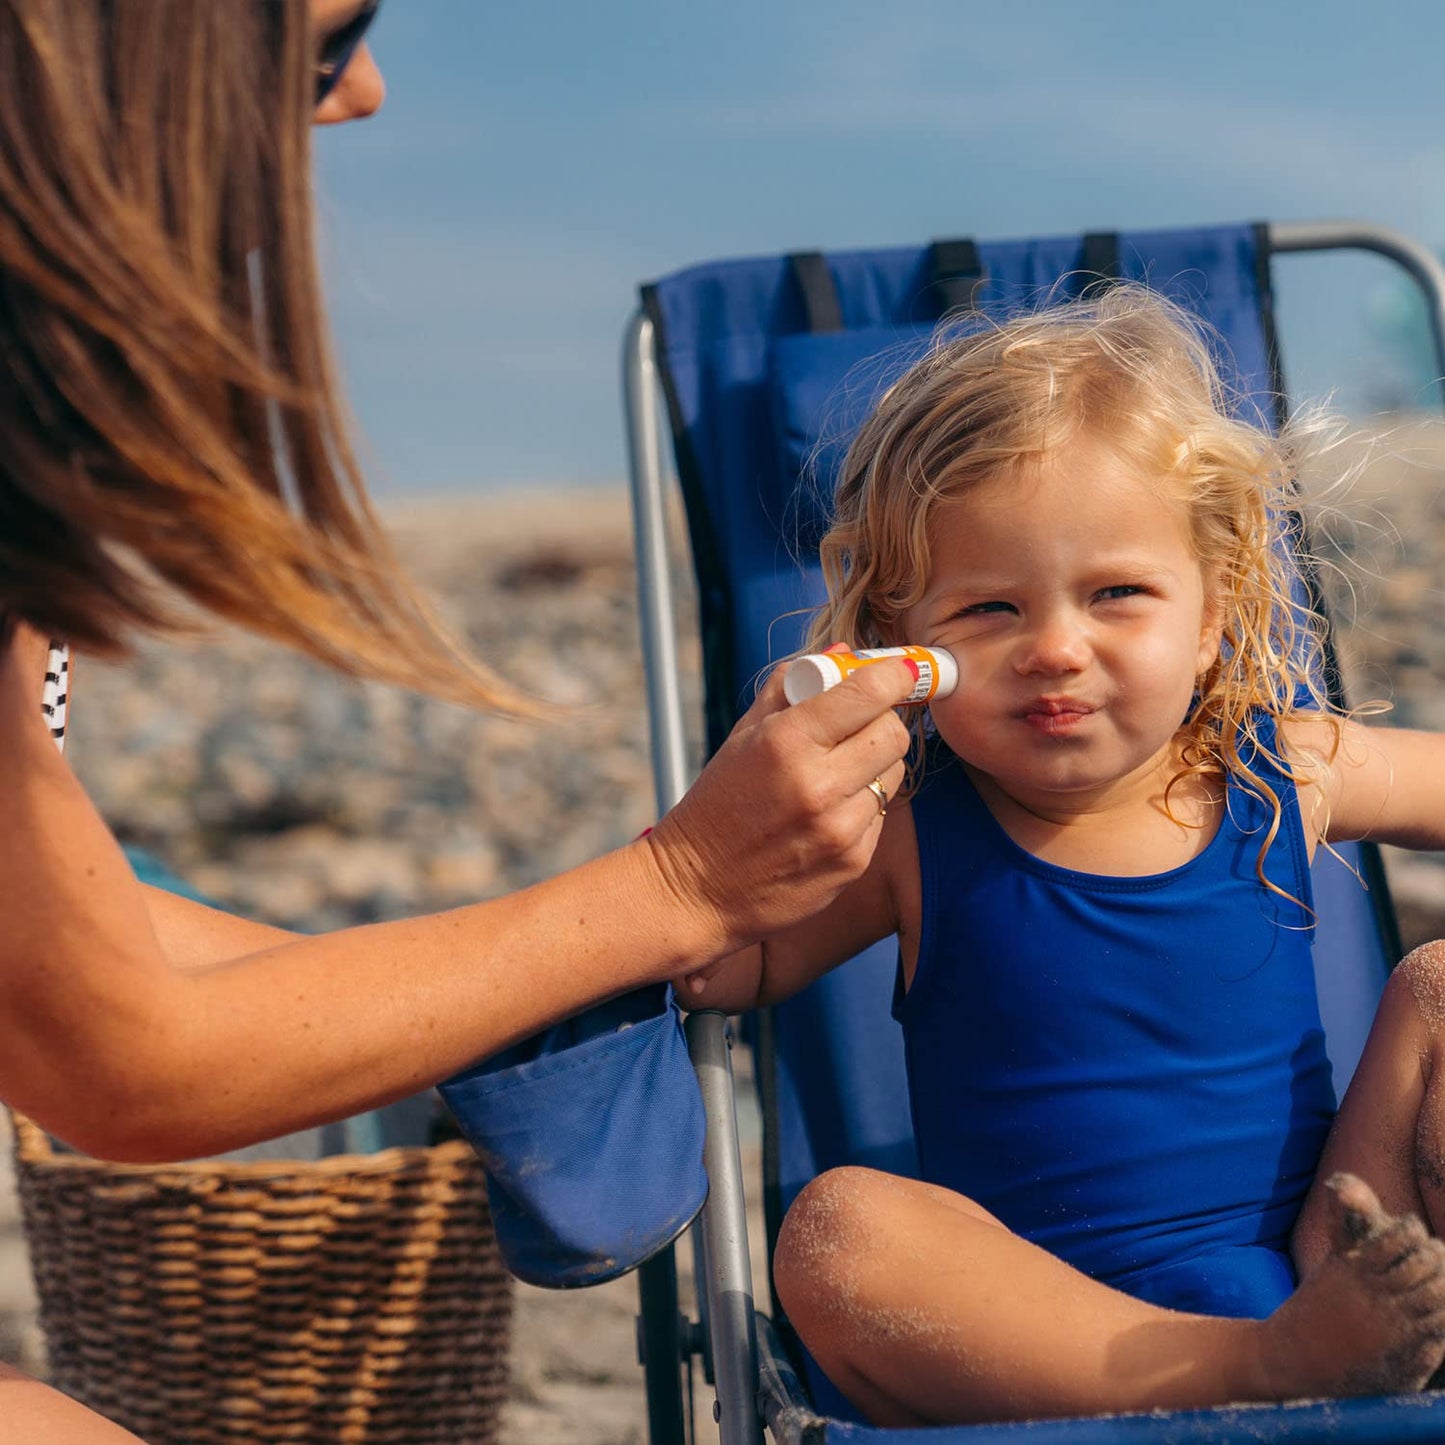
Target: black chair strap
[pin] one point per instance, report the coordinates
(1100, 261)
(957, 275)
(821, 306)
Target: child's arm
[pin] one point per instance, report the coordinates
(788, 962)
(1385, 784)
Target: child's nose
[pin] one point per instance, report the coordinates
(1059, 644)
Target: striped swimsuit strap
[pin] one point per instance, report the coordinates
(55, 696)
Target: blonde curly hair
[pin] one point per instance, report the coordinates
(1132, 368)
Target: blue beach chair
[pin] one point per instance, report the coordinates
(762, 365)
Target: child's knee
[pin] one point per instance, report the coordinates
(1421, 976)
(827, 1231)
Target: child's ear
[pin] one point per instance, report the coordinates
(1211, 628)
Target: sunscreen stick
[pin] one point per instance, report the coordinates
(818, 671)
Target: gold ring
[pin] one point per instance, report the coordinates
(881, 793)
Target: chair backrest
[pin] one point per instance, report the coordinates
(768, 365)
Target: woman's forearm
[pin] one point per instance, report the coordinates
(133, 1030)
(314, 1028)
(732, 985)
(115, 1047)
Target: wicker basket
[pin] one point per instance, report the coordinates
(358, 1298)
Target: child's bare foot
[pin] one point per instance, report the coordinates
(1370, 1320)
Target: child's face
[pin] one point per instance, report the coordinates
(1080, 618)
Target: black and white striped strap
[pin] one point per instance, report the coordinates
(55, 697)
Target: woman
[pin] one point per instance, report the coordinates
(170, 434)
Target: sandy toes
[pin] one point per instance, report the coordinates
(1370, 1320)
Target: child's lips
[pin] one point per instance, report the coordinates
(1056, 716)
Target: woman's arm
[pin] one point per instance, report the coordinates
(109, 1045)
(31, 1413)
(194, 935)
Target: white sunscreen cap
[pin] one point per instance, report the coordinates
(808, 676)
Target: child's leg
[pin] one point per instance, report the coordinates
(924, 1309)
(1391, 1126)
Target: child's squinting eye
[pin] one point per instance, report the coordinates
(1122, 589)
(979, 609)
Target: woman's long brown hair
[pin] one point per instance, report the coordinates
(170, 426)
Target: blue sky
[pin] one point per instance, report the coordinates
(484, 235)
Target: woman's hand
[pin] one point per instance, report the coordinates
(783, 818)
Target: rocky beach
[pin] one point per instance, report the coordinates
(294, 796)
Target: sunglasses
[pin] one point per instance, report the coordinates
(339, 46)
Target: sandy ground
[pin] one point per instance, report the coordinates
(20, 1340)
(575, 1375)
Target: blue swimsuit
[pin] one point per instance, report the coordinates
(1130, 1072)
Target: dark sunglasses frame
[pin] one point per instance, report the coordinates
(338, 48)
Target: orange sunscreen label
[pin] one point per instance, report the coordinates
(818, 671)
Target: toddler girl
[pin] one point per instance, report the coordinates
(1135, 1192)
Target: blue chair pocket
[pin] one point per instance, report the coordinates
(591, 1134)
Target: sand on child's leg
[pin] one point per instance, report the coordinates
(1390, 1128)
(1376, 1132)
(924, 1309)
(1423, 971)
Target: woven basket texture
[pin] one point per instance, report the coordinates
(358, 1299)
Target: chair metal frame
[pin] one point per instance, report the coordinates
(755, 1384)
